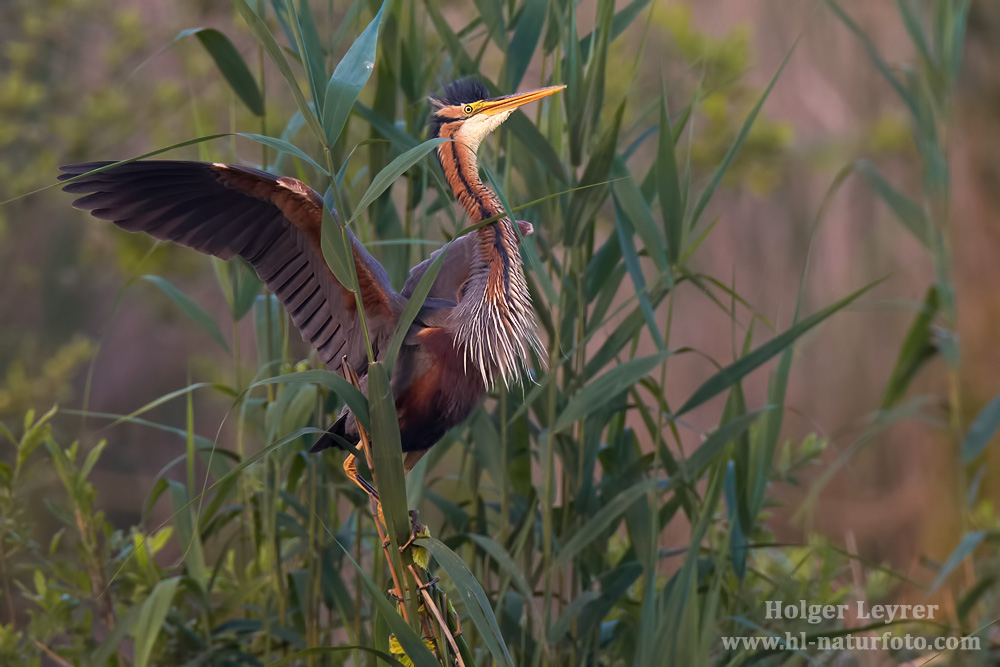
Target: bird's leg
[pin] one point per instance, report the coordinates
(351, 470)
(350, 463)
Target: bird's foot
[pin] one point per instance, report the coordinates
(417, 530)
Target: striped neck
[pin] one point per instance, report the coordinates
(493, 323)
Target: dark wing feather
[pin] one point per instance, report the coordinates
(452, 275)
(273, 223)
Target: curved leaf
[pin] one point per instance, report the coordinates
(190, 308)
(231, 64)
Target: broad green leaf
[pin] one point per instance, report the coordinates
(151, 616)
(190, 308)
(231, 64)
(983, 428)
(188, 535)
(737, 534)
(966, 546)
(392, 172)
(733, 373)
(349, 77)
(285, 147)
(960, 18)
(622, 334)
(473, 596)
(246, 286)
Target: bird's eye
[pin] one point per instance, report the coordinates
(467, 109)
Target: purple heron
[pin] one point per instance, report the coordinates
(476, 326)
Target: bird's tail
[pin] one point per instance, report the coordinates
(335, 436)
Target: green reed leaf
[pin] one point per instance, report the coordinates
(231, 65)
(190, 308)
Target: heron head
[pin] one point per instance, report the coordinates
(466, 113)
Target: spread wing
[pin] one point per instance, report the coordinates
(273, 223)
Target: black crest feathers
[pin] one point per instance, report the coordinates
(460, 91)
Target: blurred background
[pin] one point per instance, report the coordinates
(106, 79)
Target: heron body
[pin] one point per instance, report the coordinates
(475, 327)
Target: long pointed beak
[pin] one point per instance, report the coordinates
(511, 102)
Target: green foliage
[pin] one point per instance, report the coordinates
(548, 509)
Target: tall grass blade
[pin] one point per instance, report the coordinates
(599, 391)
(231, 65)
(708, 452)
(631, 258)
(525, 40)
(906, 96)
(190, 308)
(388, 454)
(347, 392)
(385, 178)
(151, 616)
(909, 212)
(473, 596)
(611, 511)
(918, 348)
(311, 51)
(412, 644)
(266, 40)
(283, 146)
(735, 372)
(736, 146)
(966, 546)
(668, 185)
(983, 428)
